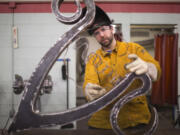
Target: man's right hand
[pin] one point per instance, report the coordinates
(94, 91)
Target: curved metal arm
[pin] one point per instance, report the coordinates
(26, 107)
(27, 118)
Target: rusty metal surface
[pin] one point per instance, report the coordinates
(28, 118)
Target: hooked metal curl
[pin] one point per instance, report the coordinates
(27, 117)
(26, 108)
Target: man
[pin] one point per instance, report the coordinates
(108, 66)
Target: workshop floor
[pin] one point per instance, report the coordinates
(165, 126)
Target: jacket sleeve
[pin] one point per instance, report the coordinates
(91, 73)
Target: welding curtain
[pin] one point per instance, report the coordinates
(165, 90)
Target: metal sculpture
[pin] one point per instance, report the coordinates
(28, 118)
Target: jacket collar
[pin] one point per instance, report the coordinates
(121, 48)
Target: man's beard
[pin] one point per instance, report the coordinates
(106, 42)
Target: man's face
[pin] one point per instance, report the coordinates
(104, 35)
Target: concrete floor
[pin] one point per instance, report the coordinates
(165, 127)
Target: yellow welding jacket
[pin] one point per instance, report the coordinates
(107, 69)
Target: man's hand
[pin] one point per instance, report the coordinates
(139, 66)
(94, 91)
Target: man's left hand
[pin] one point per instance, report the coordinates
(138, 65)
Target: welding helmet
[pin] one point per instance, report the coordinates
(101, 19)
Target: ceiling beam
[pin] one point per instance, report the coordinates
(129, 1)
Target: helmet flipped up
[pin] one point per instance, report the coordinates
(101, 19)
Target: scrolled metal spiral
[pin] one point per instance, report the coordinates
(128, 97)
(27, 117)
(67, 20)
